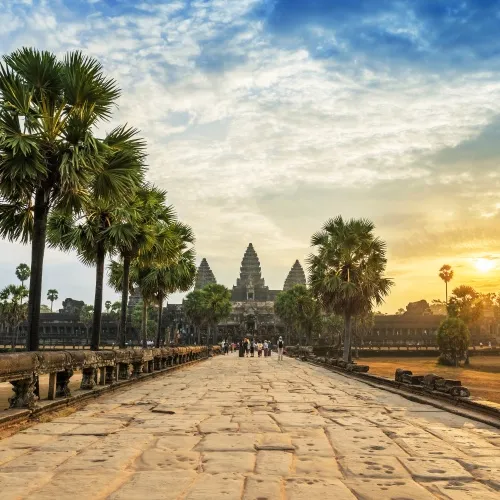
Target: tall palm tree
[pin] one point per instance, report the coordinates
(143, 236)
(217, 306)
(164, 277)
(52, 295)
(89, 231)
(346, 274)
(23, 272)
(446, 274)
(12, 310)
(195, 310)
(285, 308)
(48, 111)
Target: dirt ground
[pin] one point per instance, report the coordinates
(482, 377)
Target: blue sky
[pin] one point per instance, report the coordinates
(264, 118)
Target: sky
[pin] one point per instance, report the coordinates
(264, 118)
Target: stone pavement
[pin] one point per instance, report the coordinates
(243, 428)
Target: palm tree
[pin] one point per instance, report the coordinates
(12, 310)
(446, 274)
(346, 274)
(23, 273)
(217, 305)
(285, 308)
(89, 231)
(308, 311)
(164, 277)
(52, 295)
(48, 111)
(195, 310)
(144, 235)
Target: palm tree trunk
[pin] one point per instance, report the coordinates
(446, 288)
(198, 331)
(123, 314)
(51, 304)
(160, 310)
(99, 280)
(144, 323)
(40, 213)
(347, 339)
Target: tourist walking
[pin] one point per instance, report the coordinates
(226, 348)
(246, 347)
(265, 348)
(281, 346)
(259, 349)
(252, 348)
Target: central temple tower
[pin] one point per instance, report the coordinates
(250, 285)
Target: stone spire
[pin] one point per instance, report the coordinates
(296, 276)
(204, 276)
(250, 273)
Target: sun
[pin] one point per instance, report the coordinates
(484, 265)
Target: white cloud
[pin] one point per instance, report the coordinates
(260, 116)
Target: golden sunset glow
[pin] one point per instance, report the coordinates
(484, 265)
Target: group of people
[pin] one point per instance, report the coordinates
(248, 347)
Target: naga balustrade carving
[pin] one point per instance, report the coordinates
(22, 369)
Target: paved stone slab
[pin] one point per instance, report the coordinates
(379, 467)
(155, 485)
(435, 468)
(378, 489)
(262, 487)
(252, 429)
(219, 462)
(274, 463)
(308, 488)
(226, 486)
(460, 490)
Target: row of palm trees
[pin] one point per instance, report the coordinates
(62, 185)
(207, 307)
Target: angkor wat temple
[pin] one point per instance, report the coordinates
(252, 315)
(252, 300)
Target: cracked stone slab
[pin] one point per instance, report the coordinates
(15, 486)
(52, 428)
(218, 424)
(369, 441)
(171, 461)
(118, 458)
(214, 462)
(275, 441)
(67, 443)
(306, 488)
(379, 467)
(226, 486)
(435, 469)
(428, 447)
(24, 441)
(312, 443)
(178, 442)
(229, 442)
(259, 487)
(36, 461)
(314, 466)
(462, 490)
(274, 463)
(81, 485)
(377, 489)
(154, 485)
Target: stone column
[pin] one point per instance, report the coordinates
(88, 378)
(62, 383)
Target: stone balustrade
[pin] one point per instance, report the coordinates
(99, 368)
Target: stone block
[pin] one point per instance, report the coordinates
(229, 442)
(375, 489)
(301, 488)
(379, 467)
(427, 469)
(226, 486)
(261, 487)
(171, 461)
(274, 463)
(314, 466)
(214, 462)
(462, 490)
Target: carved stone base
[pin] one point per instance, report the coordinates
(24, 396)
(123, 371)
(110, 377)
(62, 384)
(137, 367)
(88, 378)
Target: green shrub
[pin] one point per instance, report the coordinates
(453, 340)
